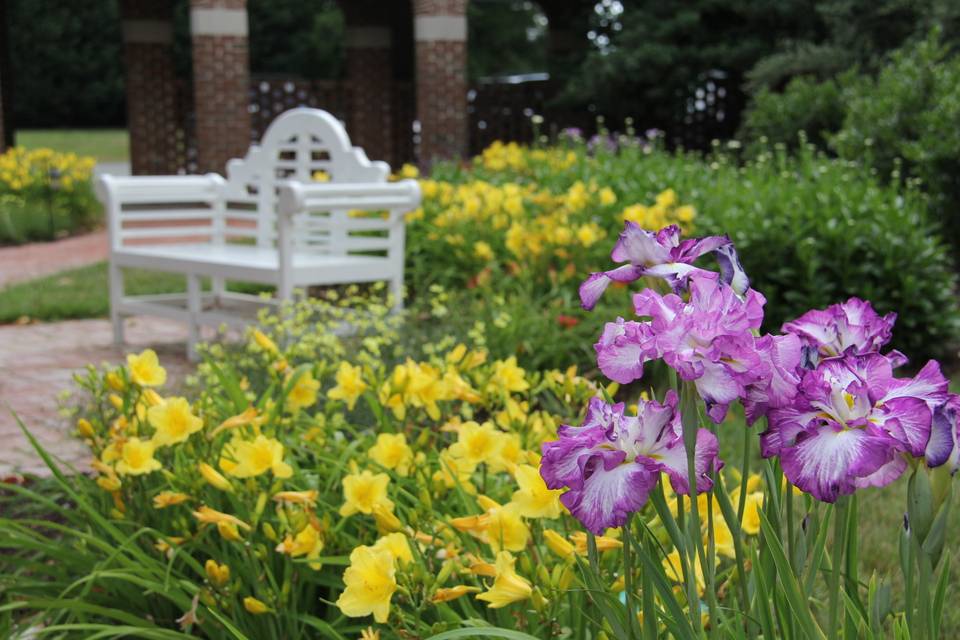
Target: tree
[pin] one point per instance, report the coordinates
(66, 61)
(647, 60)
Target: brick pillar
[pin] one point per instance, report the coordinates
(370, 82)
(440, 32)
(221, 81)
(150, 86)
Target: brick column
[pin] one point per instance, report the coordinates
(221, 81)
(150, 86)
(440, 31)
(370, 82)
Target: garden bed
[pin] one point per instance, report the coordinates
(412, 477)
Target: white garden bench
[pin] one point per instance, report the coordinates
(268, 222)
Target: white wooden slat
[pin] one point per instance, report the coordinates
(159, 215)
(236, 214)
(167, 232)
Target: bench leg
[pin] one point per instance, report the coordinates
(116, 295)
(396, 293)
(219, 287)
(194, 307)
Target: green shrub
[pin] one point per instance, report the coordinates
(804, 105)
(811, 230)
(910, 112)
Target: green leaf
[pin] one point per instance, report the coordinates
(799, 608)
(482, 632)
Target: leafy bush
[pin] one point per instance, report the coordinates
(909, 113)
(45, 194)
(804, 105)
(810, 230)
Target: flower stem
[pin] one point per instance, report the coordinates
(745, 473)
(690, 420)
(649, 604)
(836, 561)
(628, 576)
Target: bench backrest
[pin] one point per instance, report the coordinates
(243, 208)
(298, 145)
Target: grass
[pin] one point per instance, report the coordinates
(106, 145)
(82, 293)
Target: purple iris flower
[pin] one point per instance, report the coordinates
(574, 134)
(612, 461)
(853, 424)
(663, 255)
(852, 326)
(708, 339)
(781, 357)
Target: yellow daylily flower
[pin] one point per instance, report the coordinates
(251, 458)
(447, 594)
(306, 543)
(350, 385)
(507, 376)
(145, 369)
(751, 513)
(477, 443)
(398, 546)
(508, 585)
(393, 452)
(370, 581)
(206, 515)
(166, 499)
(173, 421)
(136, 458)
(363, 492)
(304, 392)
(533, 499)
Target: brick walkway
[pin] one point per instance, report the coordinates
(29, 261)
(37, 363)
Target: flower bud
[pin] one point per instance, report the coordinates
(214, 477)
(114, 381)
(269, 532)
(84, 428)
(920, 503)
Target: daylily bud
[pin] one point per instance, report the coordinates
(214, 477)
(84, 428)
(152, 397)
(269, 532)
(114, 381)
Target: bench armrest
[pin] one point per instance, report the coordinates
(396, 197)
(159, 199)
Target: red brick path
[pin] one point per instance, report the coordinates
(43, 258)
(37, 363)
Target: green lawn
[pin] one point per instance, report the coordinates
(106, 145)
(82, 293)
